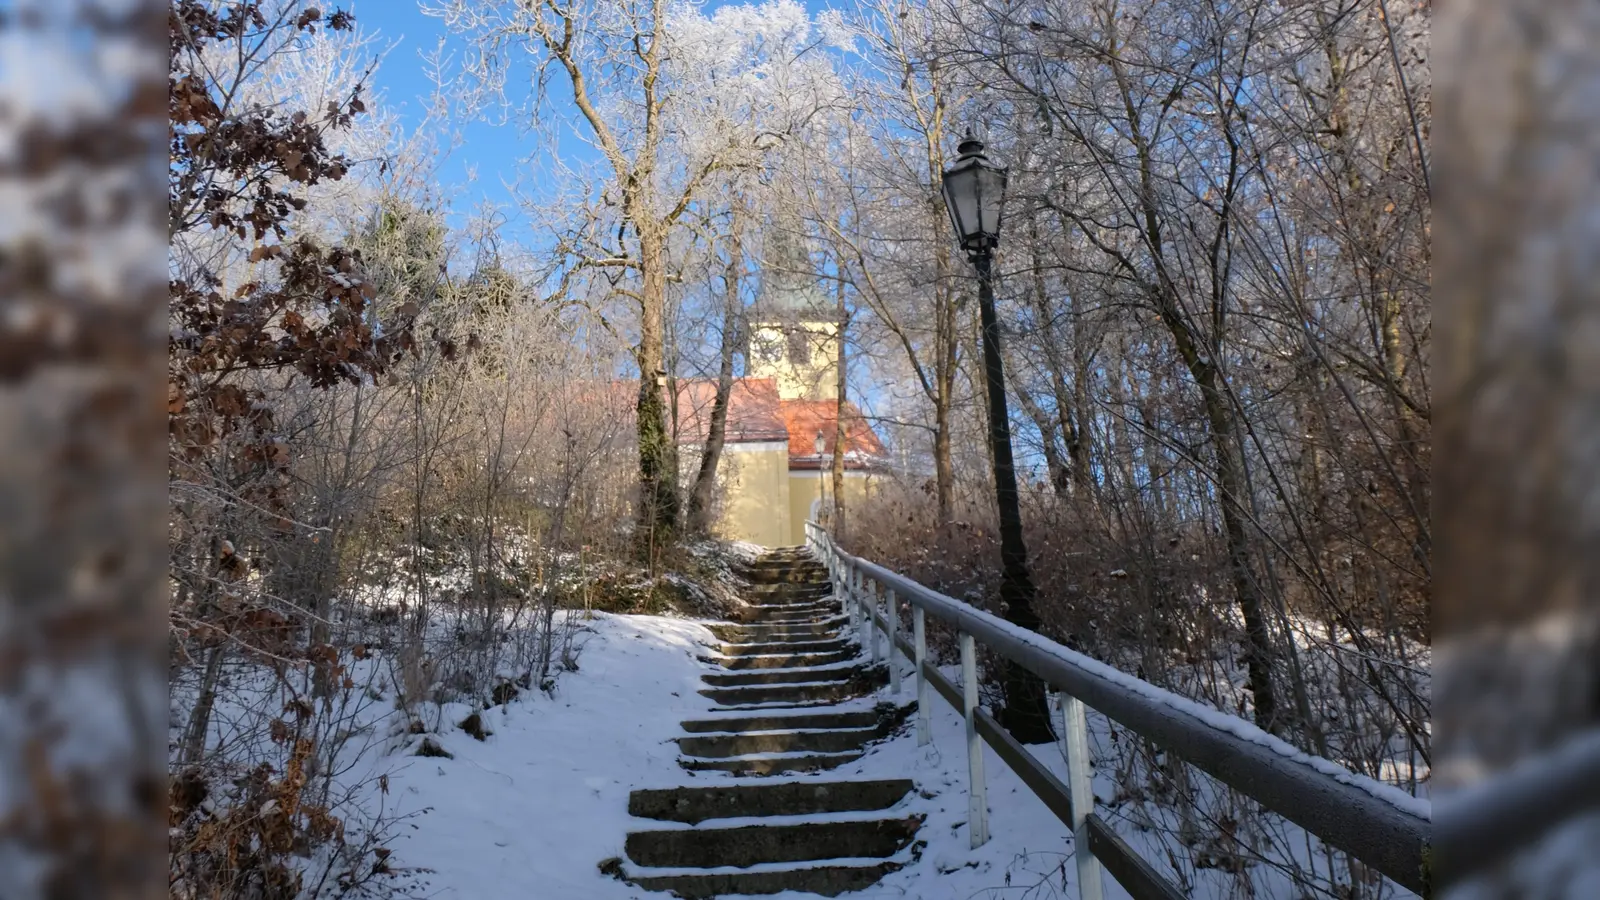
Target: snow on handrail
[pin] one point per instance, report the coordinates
(1487, 822)
(1380, 825)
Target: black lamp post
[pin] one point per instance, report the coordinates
(974, 192)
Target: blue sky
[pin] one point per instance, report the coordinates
(491, 155)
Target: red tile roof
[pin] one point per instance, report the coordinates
(805, 418)
(753, 411)
(757, 415)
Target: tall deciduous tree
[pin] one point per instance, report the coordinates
(669, 98)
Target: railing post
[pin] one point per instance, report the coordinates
(869, 599)
(842, 591)
(891, 609)
(834, 575)
(855, 596)
(1076, 728)
(919, 634)
(977, 789)
(878, 591)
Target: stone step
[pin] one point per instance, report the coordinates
(765, 604)
(798, 616)
(723, 746)
(823, 692)
(858, 719)
(824, 623)
(756, 844)
(766, 648)
(812, 573)
(782, 636)
(776, 707)
(794, 557)
(781, 594)
(791, 798)
(824, 614)
(790, 604)
(770, 764)
(778, 676)
(823, 880)
(746, 663)
(786, 667)
(803, 604)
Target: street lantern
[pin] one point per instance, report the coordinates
(974, 190)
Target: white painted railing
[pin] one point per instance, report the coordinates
(1374, 823)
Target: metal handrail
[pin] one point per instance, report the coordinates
(1377, 824)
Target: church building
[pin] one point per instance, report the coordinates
(776, 466)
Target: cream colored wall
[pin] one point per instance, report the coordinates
(806, 486)
(813, 381)
(755, 494)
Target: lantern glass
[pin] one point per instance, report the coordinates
(974, 192)
(961, 199)
(991, 197)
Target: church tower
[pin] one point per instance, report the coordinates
(794, 330)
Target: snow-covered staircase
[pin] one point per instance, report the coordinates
(789, 702)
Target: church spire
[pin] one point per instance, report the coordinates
(793, 329)
(789, 291)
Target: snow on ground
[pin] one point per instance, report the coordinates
(532, 811)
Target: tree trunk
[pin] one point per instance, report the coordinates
(1230, 484)
(943, 471)
(658, 476)
(1026, 714)
(1060, 477)
(699, 515)
(194, 741)
(839, 432)
(1079, 436)
(1231, 488)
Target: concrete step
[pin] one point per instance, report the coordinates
(737, 632)
(752, 632)
(806, 616)
(795, 573)
(788, 595)
(767, 648)
(724, 746)
(778, 676)
(786, 668)
(822, 692)
(784, 601)
(790, 798)
(798, 615)
(777, 707)
(858, 719)
(745, 663)
(780, 594)
(823, 617)
(756, 844)
(863, 680)
(770, 763)
(811, 605)
(823, 880)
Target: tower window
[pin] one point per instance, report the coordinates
(799, 347)
(766, 348)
